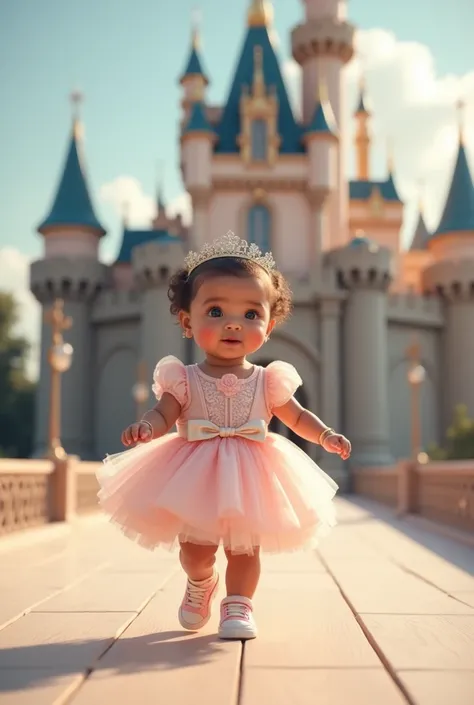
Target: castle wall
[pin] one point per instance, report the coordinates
(290, 224)
(116, 355)
(400, 337)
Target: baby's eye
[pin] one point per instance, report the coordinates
(251, 315)
(215, 312)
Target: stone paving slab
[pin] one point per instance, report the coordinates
(383, 613)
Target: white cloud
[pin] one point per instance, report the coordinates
(412, 107)
(14, 279)
(126, 195)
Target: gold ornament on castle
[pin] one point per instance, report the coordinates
(230, 245)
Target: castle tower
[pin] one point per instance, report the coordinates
(69, 270)
(321, 143)
(452, 275)
(364, 270)
(197, 141)
(322, 45)
(362, 138)
(193, 79)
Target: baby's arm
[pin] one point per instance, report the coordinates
(155, 422)
(163, 415)
(308, 426)
(300, 420)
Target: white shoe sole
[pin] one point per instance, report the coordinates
(237, 631)
(199, 625)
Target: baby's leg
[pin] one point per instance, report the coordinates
(242, 576)
(201, 588)
(243, 573)
(197, 561)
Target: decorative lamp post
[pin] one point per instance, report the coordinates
(59, 359)
(416, 377)
(140, 390)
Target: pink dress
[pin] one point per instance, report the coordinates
(222, 478)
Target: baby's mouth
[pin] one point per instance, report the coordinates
(231, 341)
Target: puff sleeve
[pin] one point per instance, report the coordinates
(281, 382)
(170, 376)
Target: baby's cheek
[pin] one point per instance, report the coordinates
(206, 334)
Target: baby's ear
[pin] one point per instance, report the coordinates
(185, 321)
(271, 325)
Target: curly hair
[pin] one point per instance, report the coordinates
(183, 288)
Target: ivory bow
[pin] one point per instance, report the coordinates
(203, 430)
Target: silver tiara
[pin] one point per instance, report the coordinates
(230, 245)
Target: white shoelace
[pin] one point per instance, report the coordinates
(236, 610)
(195, 595)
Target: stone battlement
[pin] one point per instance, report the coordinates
(414, 309)
(115, 305)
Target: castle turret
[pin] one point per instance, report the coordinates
(364, 270)
(69, 270)
(197, 140)
(362, 138)
(322, 45)
(452, 276)
(193, 79)
(321, 143)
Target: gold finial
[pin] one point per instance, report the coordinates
(461, 106)
(76, 98)
(258, 77)
(260, 13)
(196, 23)
(58, 321)
(390, 160)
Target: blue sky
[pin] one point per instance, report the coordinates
(126, 56)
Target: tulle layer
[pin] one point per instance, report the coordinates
(228, 491)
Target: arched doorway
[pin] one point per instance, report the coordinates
(276, 426)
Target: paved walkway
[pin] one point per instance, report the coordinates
(383, 614)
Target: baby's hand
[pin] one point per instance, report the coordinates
(140, 432)
(336, 443)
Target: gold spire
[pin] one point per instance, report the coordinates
(195, 23)
(76, 100)
(260, 13)
(390, 163)
(461, 105)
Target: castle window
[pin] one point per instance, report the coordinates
(259, 140)
(259, 227)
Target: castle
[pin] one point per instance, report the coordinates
(250, 166)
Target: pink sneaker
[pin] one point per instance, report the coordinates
(195, 610)
(237, 620)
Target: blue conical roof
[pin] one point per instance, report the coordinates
(230, 125)
(194, 65)
(421, 235)
(361, 109)
(322, 122)
(198, 121)
(458, 214)
(72, 204)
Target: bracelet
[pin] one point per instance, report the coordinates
(327, 432)
(152, 431)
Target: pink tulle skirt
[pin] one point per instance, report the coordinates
(229, 491)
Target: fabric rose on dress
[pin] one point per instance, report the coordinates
(229, 385)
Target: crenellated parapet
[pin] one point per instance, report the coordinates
(323, 37)
(154, 263)
(412, 309)
(74, 279)
(114, 305)
(453, 280)
(362, 264)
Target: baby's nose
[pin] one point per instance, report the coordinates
(233, 325)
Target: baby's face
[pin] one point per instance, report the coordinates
(230, 317)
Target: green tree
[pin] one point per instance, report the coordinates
(459, 444)
(16, 390)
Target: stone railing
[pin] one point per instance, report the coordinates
(35, 492)
(440, 491)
